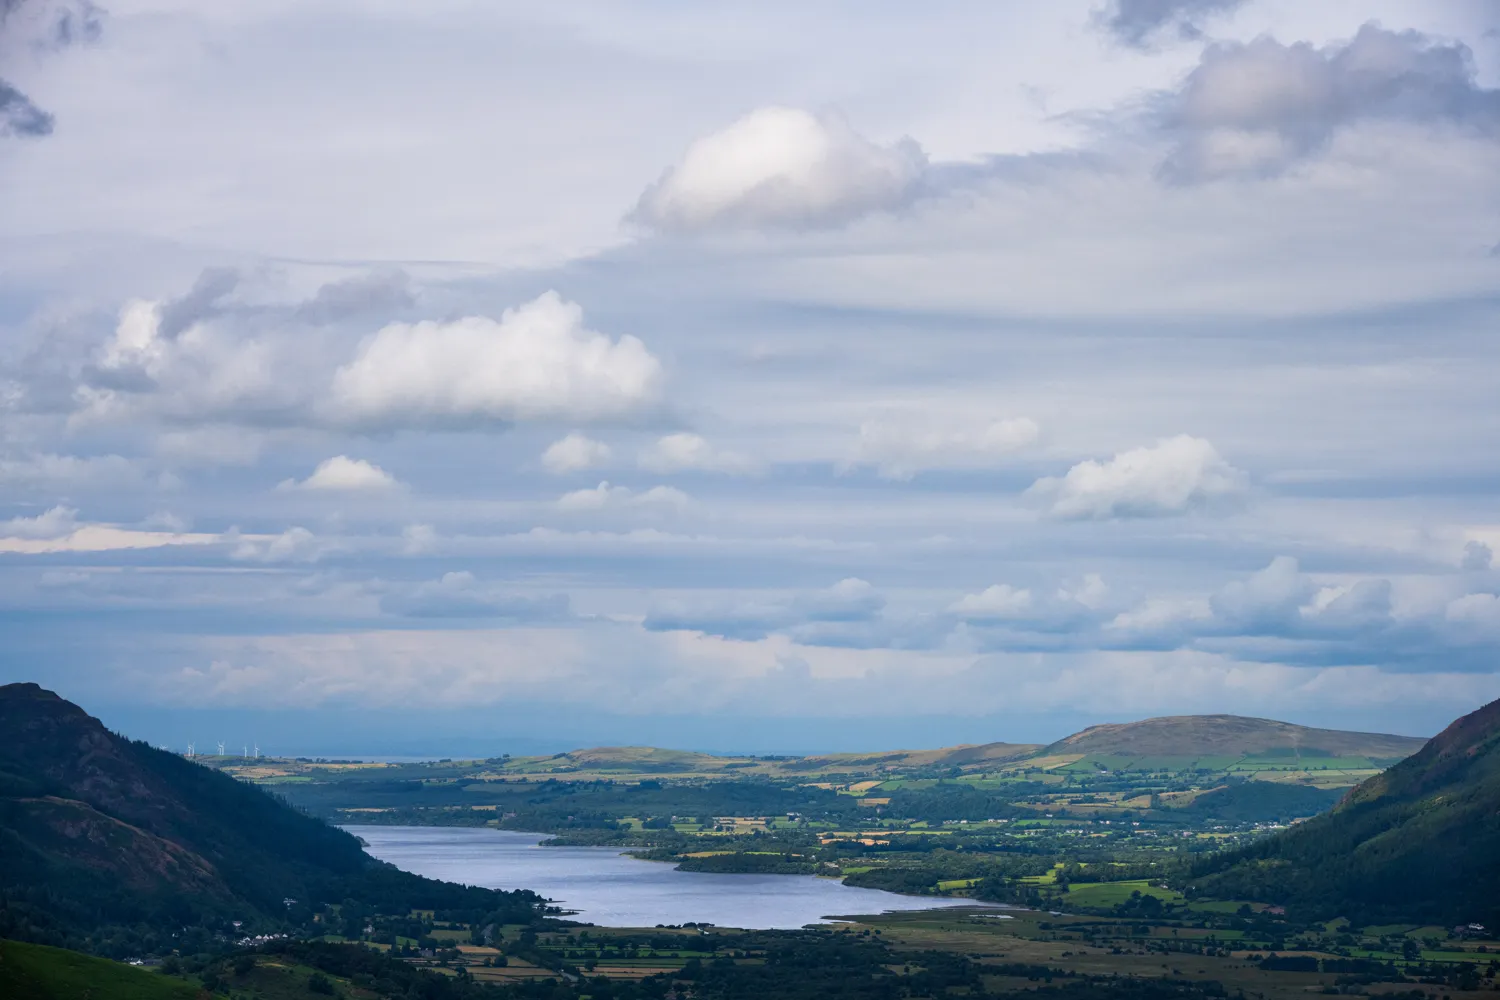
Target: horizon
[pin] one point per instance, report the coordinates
(748, 376)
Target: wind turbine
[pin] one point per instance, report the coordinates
(221, 748)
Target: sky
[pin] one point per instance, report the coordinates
(462, 377)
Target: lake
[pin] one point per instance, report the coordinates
(611, 889)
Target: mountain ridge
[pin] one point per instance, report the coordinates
(101, 837)
(1174, 735)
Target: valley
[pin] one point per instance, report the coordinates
(1097, 865)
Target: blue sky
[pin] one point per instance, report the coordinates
(748, 376)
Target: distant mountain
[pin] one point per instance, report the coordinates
(1224, 735)
(1419, 843)
(101, 837)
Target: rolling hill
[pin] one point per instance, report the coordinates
(108, 844)
(1224, 735)
(37, 972)
(1418, 843)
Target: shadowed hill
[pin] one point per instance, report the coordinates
(99, 832)
(1198, 735)
(1418, 843)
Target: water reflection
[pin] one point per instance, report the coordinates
(613, 890)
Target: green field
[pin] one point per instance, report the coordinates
(1099, 895)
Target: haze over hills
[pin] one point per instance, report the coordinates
(1419, 842)
(1182, 736)
(1178, 735)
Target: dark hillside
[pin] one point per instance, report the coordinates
(104, 840)
(1418, 843)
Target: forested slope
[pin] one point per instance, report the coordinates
(1419, 842)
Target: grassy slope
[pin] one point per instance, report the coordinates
(36, 972)
(1420, 842)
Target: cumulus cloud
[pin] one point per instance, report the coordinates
(1268, 599)
(1255, 108)
(679, 452)
(294, 545)
(1090, 592)
(998, 601)
(58, 522)
(1137, 22)
(574, 453)
(461, 595)
(537, 362)
(901, 445)
(197, 361)
(781, 167)
(342, 473)
(198, 372)
(1173, 476)
(605, 496)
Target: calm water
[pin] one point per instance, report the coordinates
(613, 890)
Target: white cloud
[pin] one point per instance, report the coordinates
(1173, 476)
(1268, 598)
(901, 445)
(781, 167)
(574, 453)
(538, 362)
(1474, 609)
(59, 530)
(998, 601)
(58, 522)
(676, 452)
(1161, 613)
(1090, 593)
(605, 496)
(296, 544)
(342, 473)
(418, 539)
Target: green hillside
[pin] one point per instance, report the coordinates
(112, 845)
(1419, 843)
(37, 972)
(1229, 735)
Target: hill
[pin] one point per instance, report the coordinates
(109, 844)
(37, 972)
(903, 760)
(1224, 735)
(1418, 843)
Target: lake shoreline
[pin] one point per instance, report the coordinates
(605, 886)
